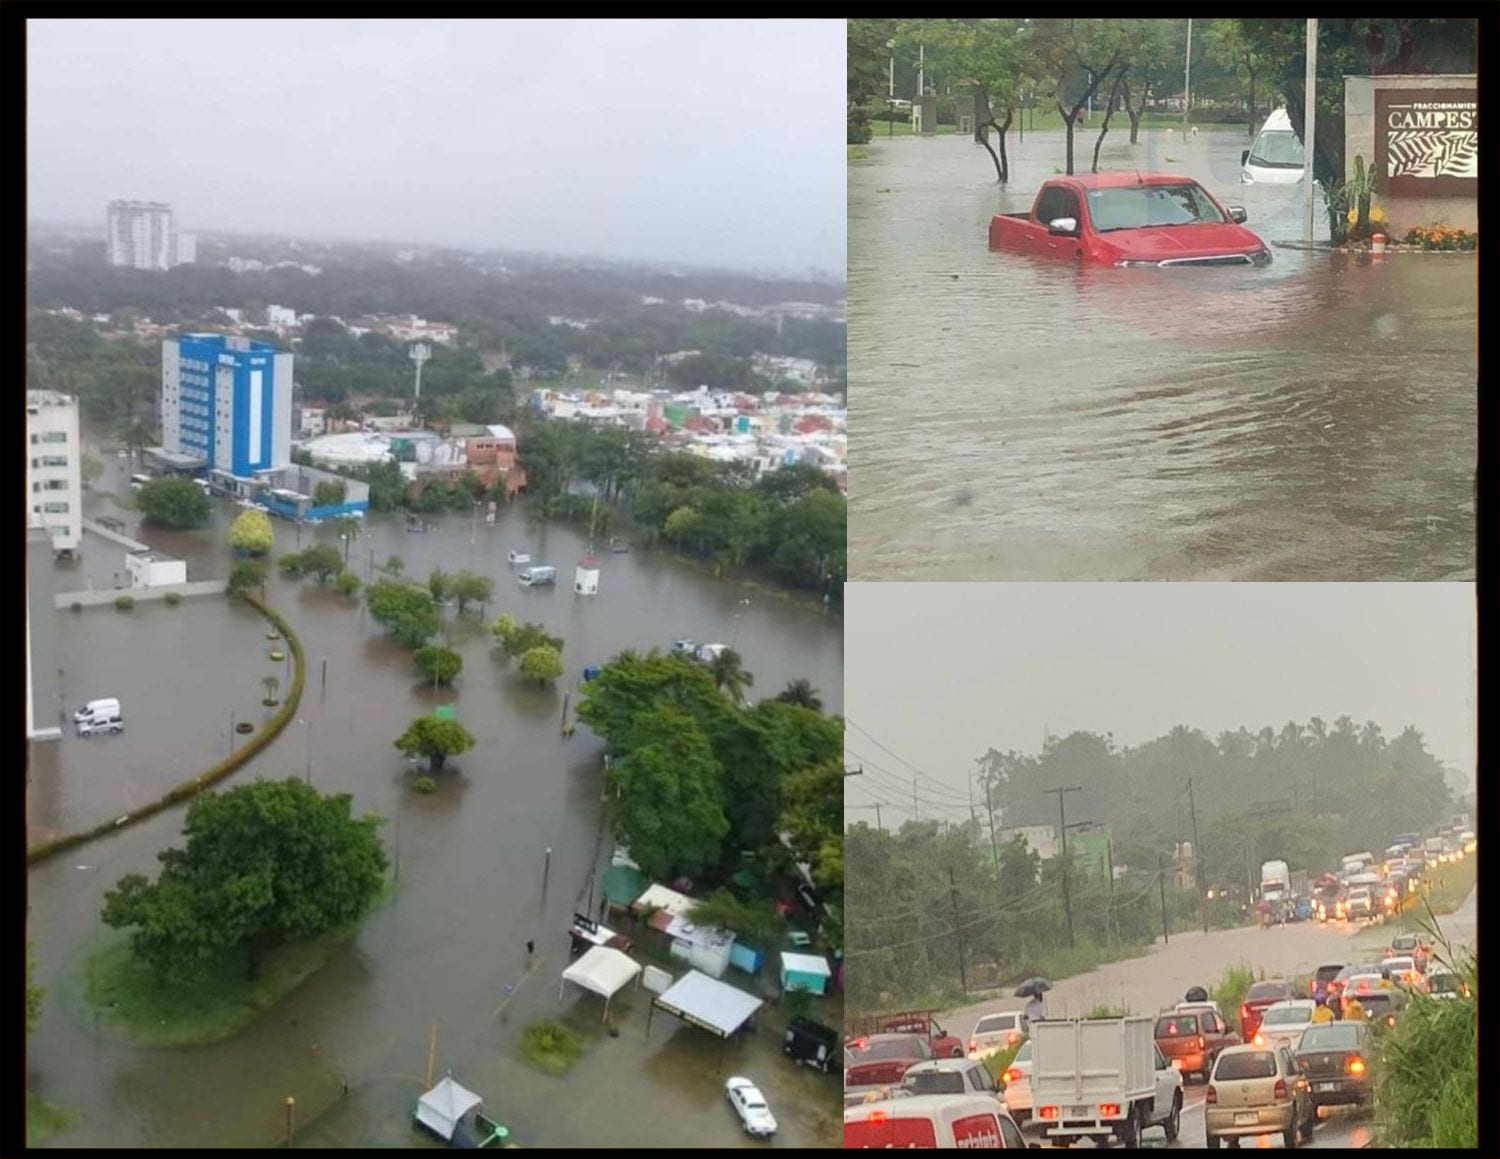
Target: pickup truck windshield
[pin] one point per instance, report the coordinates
(1278, 149)
(1143, 206)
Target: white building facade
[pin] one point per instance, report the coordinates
(54, 481)
(141, 235)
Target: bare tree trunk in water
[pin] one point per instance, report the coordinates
(1068, 115)
(981, 113)
(999, 169)
(1002, 163)
(1132, 112)
(1114, 95)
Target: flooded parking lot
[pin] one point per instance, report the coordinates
(471, 889)
(1022, 420)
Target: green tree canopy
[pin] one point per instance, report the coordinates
(405, 610)
(265, 863)
(323, 561)
(35, 991)
(471, 588)
(437, 664)
(329, 492)
(526, 637)
(174, 502)
(440, 584)
(246, 575)
(542, 663)
(668, 808)
(728, 671)
(434, 739)
(251, 533)
(801, 692)
(631, 685)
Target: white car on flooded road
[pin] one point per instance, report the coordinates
(750, 1105)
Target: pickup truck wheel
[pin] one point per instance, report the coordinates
(1129, 1131)
(1214, 1142)
(958, 1052)
(1173, 1125)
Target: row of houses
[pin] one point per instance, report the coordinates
(764, 431)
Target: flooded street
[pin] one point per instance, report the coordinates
(1022, 420)
(471, 889)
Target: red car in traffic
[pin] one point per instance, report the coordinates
(1258, 998)
(1130, 219)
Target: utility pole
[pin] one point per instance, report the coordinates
(878, 825)
(1308, 129)
(963, 977)
(1161, 881)
(1062, 818)
(1109, 854)
(1187, 74)
(1197, 857)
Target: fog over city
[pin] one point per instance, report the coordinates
(700, 143)
(939, 673)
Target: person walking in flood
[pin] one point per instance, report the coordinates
(530, 946)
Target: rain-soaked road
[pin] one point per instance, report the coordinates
(1020, 420)
(471, 891)
(1163, 975)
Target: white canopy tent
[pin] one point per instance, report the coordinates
(443, 1107)
(603, 970)
(708, 1004)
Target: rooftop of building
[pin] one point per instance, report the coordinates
(49, 398)
(231, 343)
(152, 556)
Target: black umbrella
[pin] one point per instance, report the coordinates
(1032, 987)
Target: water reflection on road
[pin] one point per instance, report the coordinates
(1026, 420)
(471, 890)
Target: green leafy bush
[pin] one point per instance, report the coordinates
(424, 784)
(173, 599)
(124, 603)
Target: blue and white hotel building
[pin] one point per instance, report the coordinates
(226, 402)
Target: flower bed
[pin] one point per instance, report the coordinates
(1441, 237)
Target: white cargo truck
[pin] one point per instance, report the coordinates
(1097, 1078)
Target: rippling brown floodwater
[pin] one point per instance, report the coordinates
(1019, 420)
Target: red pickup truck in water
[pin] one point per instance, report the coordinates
(1130, 219)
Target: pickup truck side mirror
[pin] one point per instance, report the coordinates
(1237, 213)
(1063, 225)
(1245, 157)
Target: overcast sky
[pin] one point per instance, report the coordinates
(938, 673)
(714, 144)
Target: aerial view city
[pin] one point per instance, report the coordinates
(435, 567)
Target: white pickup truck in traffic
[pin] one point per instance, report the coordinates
(1093, 1078)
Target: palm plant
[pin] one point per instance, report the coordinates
(801, 691)
(728, 671)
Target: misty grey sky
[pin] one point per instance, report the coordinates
(713, 144)
(939, 673)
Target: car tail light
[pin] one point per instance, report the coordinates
(1260, 1039)
(1244, 1013)
(1280, 1090)
(1109, 1110)
(1211, 1096)
(1355, 1065)
(973, 1046)
(861, 1043)
(875, 1117)
(1047, 1113)
(1011, 1074)
(1012, 1038)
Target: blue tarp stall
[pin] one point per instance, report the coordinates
(804, 972)
(591, 673)
(746, 958)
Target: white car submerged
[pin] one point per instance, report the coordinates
(750, 1105)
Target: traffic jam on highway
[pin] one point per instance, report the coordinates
(1271, 1068)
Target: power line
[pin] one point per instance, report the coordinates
(884, 748)
(936, 787)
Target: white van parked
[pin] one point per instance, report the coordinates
(537, 576)
(1277, 157)
(99, 716)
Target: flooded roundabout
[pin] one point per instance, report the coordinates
(438, 979)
